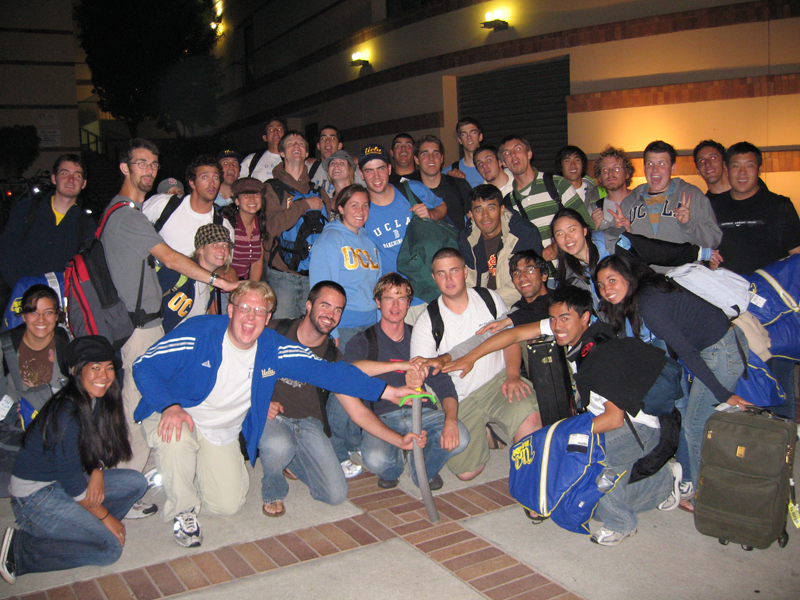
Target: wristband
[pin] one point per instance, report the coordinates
(213, 279)
(108, 512)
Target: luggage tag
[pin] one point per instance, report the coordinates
(5, 405)
(794, 511)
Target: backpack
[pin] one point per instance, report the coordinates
(723, 288)
(423, 238)
(171, 206)
(282, 327)
(55, 281)
(437, 324)
(549, 184)
(294, 245)
(93, 305)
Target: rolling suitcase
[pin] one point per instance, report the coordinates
(549, 373)
(745, 480)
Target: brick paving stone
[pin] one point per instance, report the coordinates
(474, 558)
(356, 484)
(211, 568)
(235, 564)
(569, 596)
(297, 546)
(374, 527)
(188, 573)
(444, 541)
(501, 485)
(87, 590)
(478, 499)
(407, 507)
(373, 494)
(433, 532)
(255, 557)
(387, 518)
(362, 476)
(413, 527)
(459, 549)
(340, 539)
(498, 578)
(545, 592)
(410, 516)
(351, 528)
(114, 587)
(165, 579)
(494, 495)
(462, 504)
(61, 593)
(140, 584)
(275, 550)
(385, 504)
(517, 587)
(317, 541)
(445, 508)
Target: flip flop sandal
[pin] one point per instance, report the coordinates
(497, 442)
(280, 513)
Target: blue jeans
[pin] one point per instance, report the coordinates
(386, 461)
(291, 292)
(617, 509)
(58, 533)
(301, 445)
(725, 362)
(345, 435)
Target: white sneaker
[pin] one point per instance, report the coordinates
(186, 528)
(350, 469)
(674, 499)
(687, 490)
(606, 537)
(7, 567)
(141, 510)
(153, 478)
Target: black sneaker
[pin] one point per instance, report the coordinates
(8, 567)
(436, 483)
(386, 484)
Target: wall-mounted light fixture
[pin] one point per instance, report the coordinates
(494, 22)
(358, 61)
(217, 22)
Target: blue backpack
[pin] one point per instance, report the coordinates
(294, 245)
(11, 317)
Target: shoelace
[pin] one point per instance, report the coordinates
(188, 522)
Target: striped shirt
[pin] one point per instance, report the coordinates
(246, 248)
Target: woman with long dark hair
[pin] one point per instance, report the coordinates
(701, 334)
(68, 507)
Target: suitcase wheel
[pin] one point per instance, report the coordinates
(723, 542)
(783, 539)
(747, 548)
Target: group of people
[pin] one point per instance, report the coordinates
(271, 323)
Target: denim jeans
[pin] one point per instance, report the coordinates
(301, 445)
(291, 292)
(725, 362)
(345, 435)
(58, 533)
(386, 461)
(617, 509)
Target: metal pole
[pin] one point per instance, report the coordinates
(419, 462)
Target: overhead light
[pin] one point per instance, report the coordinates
(217, 21)
(494, 23)
(358, 61)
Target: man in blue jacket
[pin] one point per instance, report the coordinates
(212, 378)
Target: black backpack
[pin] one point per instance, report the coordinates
(171, 206)
(549, 184)
(437, 324)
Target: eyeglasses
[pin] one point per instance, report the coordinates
(528, 270)
(260, 311)
(146, 166)
(607, 170)
(47, 314)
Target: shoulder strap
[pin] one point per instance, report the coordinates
(454, 166)
(437, 324)
(330, 351)
(33, 209)
(633, 430)
(83, 216)
(518, 200)
(313, 170)
(372, 341)
(106, 216)
(281, 188)
(172, 205)
(254, 161)
(409, 194)
(551, 188)
(11, 361)
(488, 300)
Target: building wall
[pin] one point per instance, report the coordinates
(678, 70)
(37, 66)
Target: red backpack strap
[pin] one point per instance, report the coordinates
(109, 212)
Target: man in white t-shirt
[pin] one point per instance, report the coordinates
(178, 223)
(260, 164)
(493, 391)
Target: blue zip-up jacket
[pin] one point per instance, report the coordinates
(181, 368)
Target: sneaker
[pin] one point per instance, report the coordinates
(674, 499)
(8, 567)
(385, 484)
(436, 483)
(606, 537)
(186, 528)
(687, 490)
(141, 510)
(153, 478)
(350, 469)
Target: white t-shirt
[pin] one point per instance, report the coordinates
(179, 230)
(263, 170)
(458, 328)
(220, 416)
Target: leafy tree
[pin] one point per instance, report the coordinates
(152, 59)
(19, 147)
